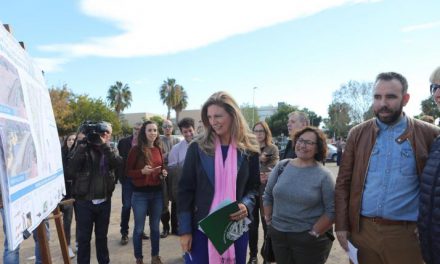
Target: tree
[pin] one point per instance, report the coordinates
(278, 121)
(429, 107)
(314, 119)
(85, 108)
(159, 121)
(358, 95)
(60, 98)
(168, 94)
(250, 114)
(338, 123)
(119, 97)
(72, 110)
(181, 101)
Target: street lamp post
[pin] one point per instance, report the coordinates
(253, 106)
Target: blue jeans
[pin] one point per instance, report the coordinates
(143, 202)
(13, 256)
(127, 192)
(67, 220)
(89, 215)
(9, 256)
(37, 245)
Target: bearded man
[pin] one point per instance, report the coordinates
(377, 188)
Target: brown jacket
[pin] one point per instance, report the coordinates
(355, 159)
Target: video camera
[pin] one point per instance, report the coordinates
(93, 130)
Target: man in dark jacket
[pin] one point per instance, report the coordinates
(93, 166)
(428, 224)
(124, 147)
(297, 120)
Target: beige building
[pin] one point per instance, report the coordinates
(195, 114)
(132, 118)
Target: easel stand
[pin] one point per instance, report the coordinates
(44, 242)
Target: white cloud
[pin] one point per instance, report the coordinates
(50, 64)
(171, 26)
(424, 26)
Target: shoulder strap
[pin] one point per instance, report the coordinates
(283, 165)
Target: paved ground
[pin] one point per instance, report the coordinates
(169, 247)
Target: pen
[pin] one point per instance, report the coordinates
(189, 255)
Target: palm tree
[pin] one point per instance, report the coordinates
(167, 93)
(119, 96)
(181, 101)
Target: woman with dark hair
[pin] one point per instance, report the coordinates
(145, 167)
(221, 164)
(268, 159)
(67, 209)
(299, 202)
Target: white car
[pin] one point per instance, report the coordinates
(332, 153)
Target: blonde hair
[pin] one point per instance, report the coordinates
(435, 76)
(240, 132)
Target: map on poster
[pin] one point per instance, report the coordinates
(31, 171)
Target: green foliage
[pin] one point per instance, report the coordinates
(60, 98)
(72, 110)
(119, 97)
(250, 114)
(126, 129)
(315, 120)
(181, 101)
(338, 123)
(429, 107)
(173, 96)
(159, 120)
(278, 121)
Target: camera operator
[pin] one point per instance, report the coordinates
(93, 166)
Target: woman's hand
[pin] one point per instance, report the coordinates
(240, 214)
(185, 242)
(263, 177)
(264, 157)
(147, 170)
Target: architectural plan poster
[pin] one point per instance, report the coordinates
(31, 173)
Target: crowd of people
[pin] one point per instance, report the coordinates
(385, 200)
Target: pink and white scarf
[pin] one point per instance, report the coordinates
(225, 188)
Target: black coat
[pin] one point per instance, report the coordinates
(124, 146)
(196, 186)
(429, 207)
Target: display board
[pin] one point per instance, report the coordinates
(31, 171)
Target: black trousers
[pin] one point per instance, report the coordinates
(299, 248)
(257, 215)
(91, 215)
(166, 217)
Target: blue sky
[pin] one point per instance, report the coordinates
(294, 51)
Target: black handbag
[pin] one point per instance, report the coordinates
(267, 250)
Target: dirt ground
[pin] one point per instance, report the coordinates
(169, 247)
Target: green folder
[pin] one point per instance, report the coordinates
(221, 231)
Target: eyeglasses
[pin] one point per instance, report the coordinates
(167, 126)
(434, 87)
(259, 131)
(305, 142)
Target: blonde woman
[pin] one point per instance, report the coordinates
(222, 163)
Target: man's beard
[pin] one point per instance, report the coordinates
(391, 119)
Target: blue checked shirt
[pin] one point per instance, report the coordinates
(391, 188)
